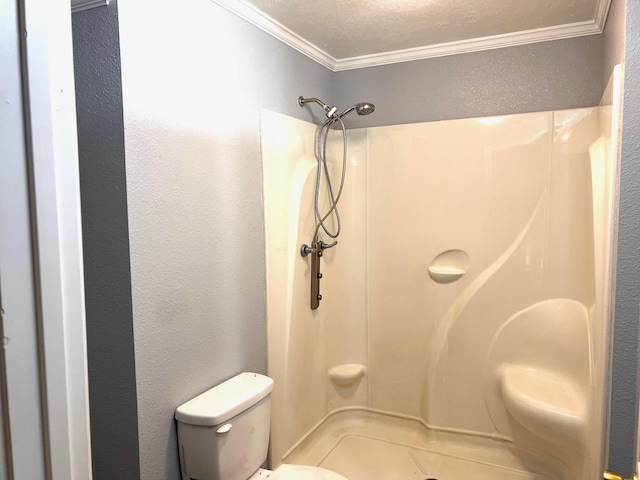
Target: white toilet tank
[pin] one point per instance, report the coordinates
(223, 434)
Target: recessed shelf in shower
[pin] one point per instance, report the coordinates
(449, 266)
(347, 374)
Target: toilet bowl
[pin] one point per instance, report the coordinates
(223, 434)
(297, 472)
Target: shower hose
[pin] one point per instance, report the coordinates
(321, 155)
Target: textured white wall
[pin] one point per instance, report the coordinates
(194, 78)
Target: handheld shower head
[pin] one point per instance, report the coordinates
(364, 108)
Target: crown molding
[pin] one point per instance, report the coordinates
(264, 22)
(602, 12)
(255, 16)
(79, 5)
(524, 37)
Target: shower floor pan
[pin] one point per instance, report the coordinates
(366, 445)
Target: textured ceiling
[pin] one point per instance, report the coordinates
(353, 28)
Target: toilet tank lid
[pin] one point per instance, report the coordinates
(219, 404)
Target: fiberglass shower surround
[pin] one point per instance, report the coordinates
(317, 245)
(468, 288)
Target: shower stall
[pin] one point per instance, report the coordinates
(463, 331)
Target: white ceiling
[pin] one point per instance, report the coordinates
(344, 34)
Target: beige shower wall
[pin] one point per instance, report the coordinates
(506, 202)
(499, 190)
(605, 171)
(305, 344)
(434, 187)
(514, 194)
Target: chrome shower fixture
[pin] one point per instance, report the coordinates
(330, 111)
(364, 108)
(317, 245)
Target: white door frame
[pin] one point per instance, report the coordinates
(50, 161)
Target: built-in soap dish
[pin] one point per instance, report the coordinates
(449, 266)
(347, 374)
(546, 403)
(445, 274)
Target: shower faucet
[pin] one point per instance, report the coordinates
(316, 251)
(306, 249)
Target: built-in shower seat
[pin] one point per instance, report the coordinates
(546, 403)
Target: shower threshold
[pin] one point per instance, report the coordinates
(365, 445)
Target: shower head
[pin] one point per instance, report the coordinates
(364, 108)
(360, 108)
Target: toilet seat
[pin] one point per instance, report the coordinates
(297, 472)
(304, 472)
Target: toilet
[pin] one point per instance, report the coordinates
(223, 434)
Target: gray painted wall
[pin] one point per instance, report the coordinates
(614, 36)
(537, 77)
(627, 314)
(105, 231)
(194, 183)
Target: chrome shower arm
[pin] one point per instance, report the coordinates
(330, 111)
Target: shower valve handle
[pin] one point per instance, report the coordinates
(305, 250)
(324, 246)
